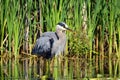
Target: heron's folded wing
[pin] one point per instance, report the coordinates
(50, 35)
(43, 46)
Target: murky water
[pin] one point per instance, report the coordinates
(34, 68)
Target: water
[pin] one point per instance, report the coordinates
(34, 68)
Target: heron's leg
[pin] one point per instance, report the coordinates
(60, 64)
(41, 68)
(56, 67)
(51, 65)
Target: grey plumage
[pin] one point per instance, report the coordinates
(51, 43)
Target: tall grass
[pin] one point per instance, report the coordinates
(99, 47)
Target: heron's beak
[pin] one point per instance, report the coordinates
(69, 29)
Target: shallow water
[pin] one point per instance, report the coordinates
(34, 68)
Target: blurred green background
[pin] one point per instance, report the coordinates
(93, 51)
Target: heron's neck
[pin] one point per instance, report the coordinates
(61, 34)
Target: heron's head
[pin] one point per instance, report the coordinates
(61, 26)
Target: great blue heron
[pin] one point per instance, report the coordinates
(51, 43)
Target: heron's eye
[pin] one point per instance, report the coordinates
(63, 31)
(63, 26)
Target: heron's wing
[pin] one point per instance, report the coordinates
(59, 44)
(43, 46)
(50, 35)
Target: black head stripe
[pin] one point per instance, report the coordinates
(62, 24)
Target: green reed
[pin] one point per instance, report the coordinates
(99, 46)
(2, 23)
(118, 48)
